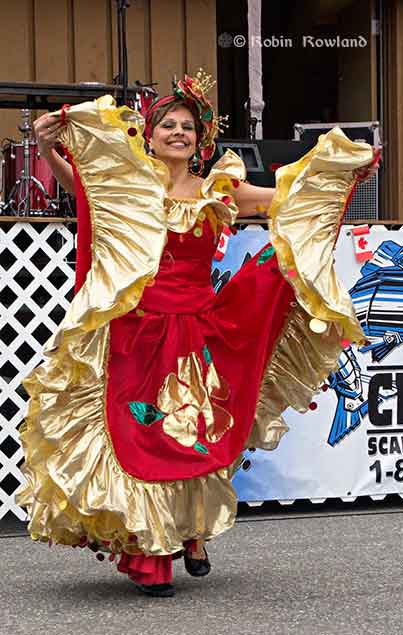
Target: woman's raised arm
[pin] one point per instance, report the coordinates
(253, 200)
(46, 129)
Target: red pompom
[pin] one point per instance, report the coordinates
(313, 405)
(345, 343)
(226, 200)
(100, 557)
(325, 387)
(235, 183)
(291, 273)
(132, 132)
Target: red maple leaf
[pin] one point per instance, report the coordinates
(362, 243)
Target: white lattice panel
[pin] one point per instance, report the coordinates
(36, 285)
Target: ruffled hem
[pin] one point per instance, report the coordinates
(301, 362)
(149, 518)
(75, 486)
(76, 490)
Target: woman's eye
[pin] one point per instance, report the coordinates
(185, 126)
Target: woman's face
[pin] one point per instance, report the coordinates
(174, 137)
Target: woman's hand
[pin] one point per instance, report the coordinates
(369, 170)
(46, 129)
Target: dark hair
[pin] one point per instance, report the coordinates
(160, 113)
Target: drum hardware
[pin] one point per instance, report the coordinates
(25, 193)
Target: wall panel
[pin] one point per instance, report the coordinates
(52, 42)
(17, 60)
(167, 24)
(93, 41)
(201, 39)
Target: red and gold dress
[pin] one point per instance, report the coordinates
(153, 385)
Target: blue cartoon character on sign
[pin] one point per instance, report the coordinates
(347, 383)
(378, 300)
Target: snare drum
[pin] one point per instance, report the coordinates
(12, 170)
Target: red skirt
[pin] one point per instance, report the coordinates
(185, 367)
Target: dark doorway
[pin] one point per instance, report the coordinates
(232, 65)
(303, 81)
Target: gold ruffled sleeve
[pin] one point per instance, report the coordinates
(308, 207)
(218, 185)
(126, 199)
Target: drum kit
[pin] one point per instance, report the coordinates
(28, 185)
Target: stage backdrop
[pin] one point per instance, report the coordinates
(352, 443)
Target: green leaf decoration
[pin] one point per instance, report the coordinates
(208, 115)
(265, 255)
(145, 413)
(207, 355)
(199, 447)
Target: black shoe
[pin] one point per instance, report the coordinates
(197, 567)
(157, 590)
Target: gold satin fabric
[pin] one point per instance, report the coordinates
(184, 396)
(305, 216)
(75, 485)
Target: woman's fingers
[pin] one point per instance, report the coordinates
(46, 129)
(46, 120)
(46, 123)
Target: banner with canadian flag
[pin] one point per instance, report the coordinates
(351, 444)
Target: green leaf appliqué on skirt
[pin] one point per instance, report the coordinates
(145, 413)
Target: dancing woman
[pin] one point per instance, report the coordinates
(153, 385)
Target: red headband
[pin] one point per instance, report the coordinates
(151, 111)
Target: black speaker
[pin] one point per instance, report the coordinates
(262, 157)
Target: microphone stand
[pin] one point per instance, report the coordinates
(122, 77)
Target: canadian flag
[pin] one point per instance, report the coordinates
(361, 246)
(222, 243)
